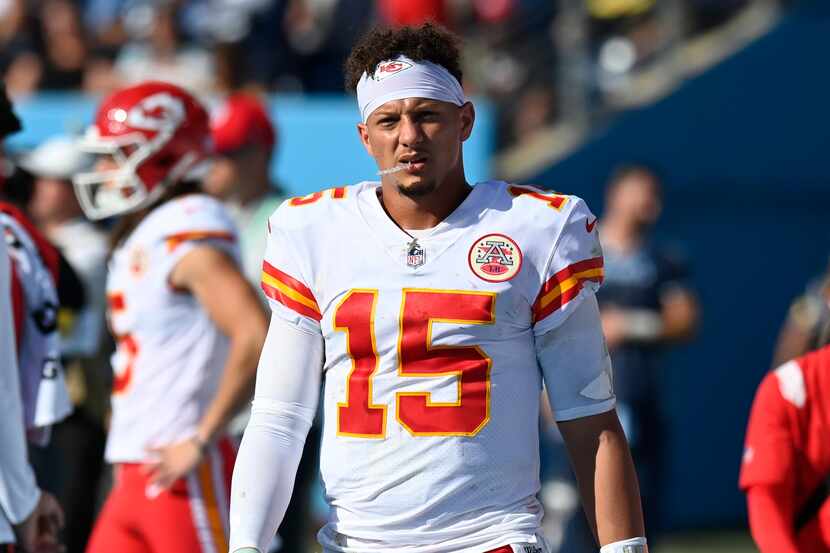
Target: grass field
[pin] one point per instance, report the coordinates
(708, 542)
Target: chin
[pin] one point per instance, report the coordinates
(417, 189)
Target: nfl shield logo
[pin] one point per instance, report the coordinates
(415, 255)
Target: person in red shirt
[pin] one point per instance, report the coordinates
(786, 463)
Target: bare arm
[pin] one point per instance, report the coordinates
(215, 281)
(605, 473)
(218, 285)
(680, 312)
(676, 321)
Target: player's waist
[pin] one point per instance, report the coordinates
(131, 441)
(214, 469)
(470, 530)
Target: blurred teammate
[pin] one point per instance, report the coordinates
(27, 515)
(786, 463)
(436, 310)
(188, 327)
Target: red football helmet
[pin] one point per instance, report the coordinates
(156, 133)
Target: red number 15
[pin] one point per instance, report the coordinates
(416, 411)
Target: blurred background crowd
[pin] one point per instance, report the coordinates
(657, 111)
(539, 61)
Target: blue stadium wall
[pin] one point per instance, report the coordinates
(318, 142)
(745, 149)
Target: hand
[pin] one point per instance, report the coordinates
(613, 326)
(39, 532)
(175, 461)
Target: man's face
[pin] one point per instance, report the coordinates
(427, 133)
(223, 177)
(637, 199)
(53, 201)
(232, 171)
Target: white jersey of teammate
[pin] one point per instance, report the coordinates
(432, 385)
(170, 355)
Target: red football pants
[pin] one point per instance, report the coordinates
(192, 516)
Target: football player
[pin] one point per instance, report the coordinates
(786, 463)
(435, 310)
(188, 327)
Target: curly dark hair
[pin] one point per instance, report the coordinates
(428, 42)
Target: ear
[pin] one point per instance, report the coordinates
(467, 113)
(363, 131)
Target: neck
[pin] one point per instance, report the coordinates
(422, 212)
(621, 233)
(256, 189)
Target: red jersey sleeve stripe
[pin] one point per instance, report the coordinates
(288, 280)
(565, 286)
(276, 295)
(290, 292)
(175, 240)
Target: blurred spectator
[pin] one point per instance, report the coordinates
(535, 110)
(786, 462)
(51, 54)
(808, 315)
(320, 33)
(80, 439)
(705, 14)
(56, 212)
(412, 12)
(646, 304)
(63, 45)
(158, 51)
(515, 47)
(244, 140)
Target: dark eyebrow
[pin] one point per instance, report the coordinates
(384, 114)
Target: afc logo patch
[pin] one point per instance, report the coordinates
(495, 258)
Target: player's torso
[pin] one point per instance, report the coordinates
(632, 280)
(432, 386)
(811, 421)
(169, 354)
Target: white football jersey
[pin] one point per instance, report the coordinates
(170, 355)
(432, 386)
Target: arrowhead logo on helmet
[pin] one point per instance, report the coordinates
(155, 133)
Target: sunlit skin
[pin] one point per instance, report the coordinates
(428, 133)
(241, 176)
(53, 203)
(634, 203)
(106, 163)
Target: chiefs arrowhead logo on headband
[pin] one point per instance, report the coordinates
(389, 68)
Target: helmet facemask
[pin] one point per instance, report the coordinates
(155, 134)
(119, 191)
